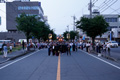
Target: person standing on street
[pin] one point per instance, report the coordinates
(49, 49)
(68, 49)
(10, 48)
(73, 46)
(53, 49)
(5, 51)
(108, 49)
(87, 46)
(76, 46)
(97, 47)
(104, 49)
(23, 44)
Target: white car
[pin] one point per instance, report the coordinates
(113, 43)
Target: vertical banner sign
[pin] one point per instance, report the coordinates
(110, 35)
(83, 37)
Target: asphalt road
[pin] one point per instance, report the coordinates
(115, 53)
(116, 50)
(78, 66)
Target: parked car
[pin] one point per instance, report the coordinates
(113, 43)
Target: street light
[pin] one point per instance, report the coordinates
(68, 36)
(50, 37)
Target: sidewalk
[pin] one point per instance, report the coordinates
(114, 56)
(12, 55)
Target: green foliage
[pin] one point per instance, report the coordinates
(73, 34)
(53, 34)
(1, 53)
(93, 27)
(32, 26)
(65, 35)
(37, 31)
(42, 31)
(26, 24)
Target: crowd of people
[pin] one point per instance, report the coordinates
(99, 48)
(55, 48)
(5, 47)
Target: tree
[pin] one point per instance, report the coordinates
(65, 35)
(26, 24)
(73, 34)
(93, 27)
(45, 32)
(53, 34)
(37, 31)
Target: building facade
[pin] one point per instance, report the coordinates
(114, 23)
(15, 9)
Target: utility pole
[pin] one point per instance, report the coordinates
(74, 23)
(90, 8)
(68, 28)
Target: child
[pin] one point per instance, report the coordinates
(10, 48)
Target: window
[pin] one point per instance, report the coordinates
(113, 26)
(0, 20)
(110, 27)
(111, 19)
(28, 7)
(27, 15)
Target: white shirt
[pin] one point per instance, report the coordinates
(11, 47)
(87, 44)
(108, 45)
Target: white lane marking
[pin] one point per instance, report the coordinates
(102, 60)
(17, 60)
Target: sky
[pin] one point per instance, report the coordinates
(60, 12)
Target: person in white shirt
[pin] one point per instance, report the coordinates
(87, 46)
(10, 48)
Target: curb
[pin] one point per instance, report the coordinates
(27, 52)
(17, 56)
(107, 57)
(110, 58)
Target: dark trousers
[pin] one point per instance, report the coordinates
(108, 51)
(53, 52)
(86, 48)
(49, 52)
(68, 52)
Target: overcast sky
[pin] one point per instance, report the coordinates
(60, 12)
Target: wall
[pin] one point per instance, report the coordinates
(3, 17)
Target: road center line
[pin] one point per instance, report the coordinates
(102, 60)
(58, 69)
(17, 60)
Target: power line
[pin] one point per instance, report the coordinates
(94, 1)
(101, 5)
(113, 9)
(109, 6)
(104, 6)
